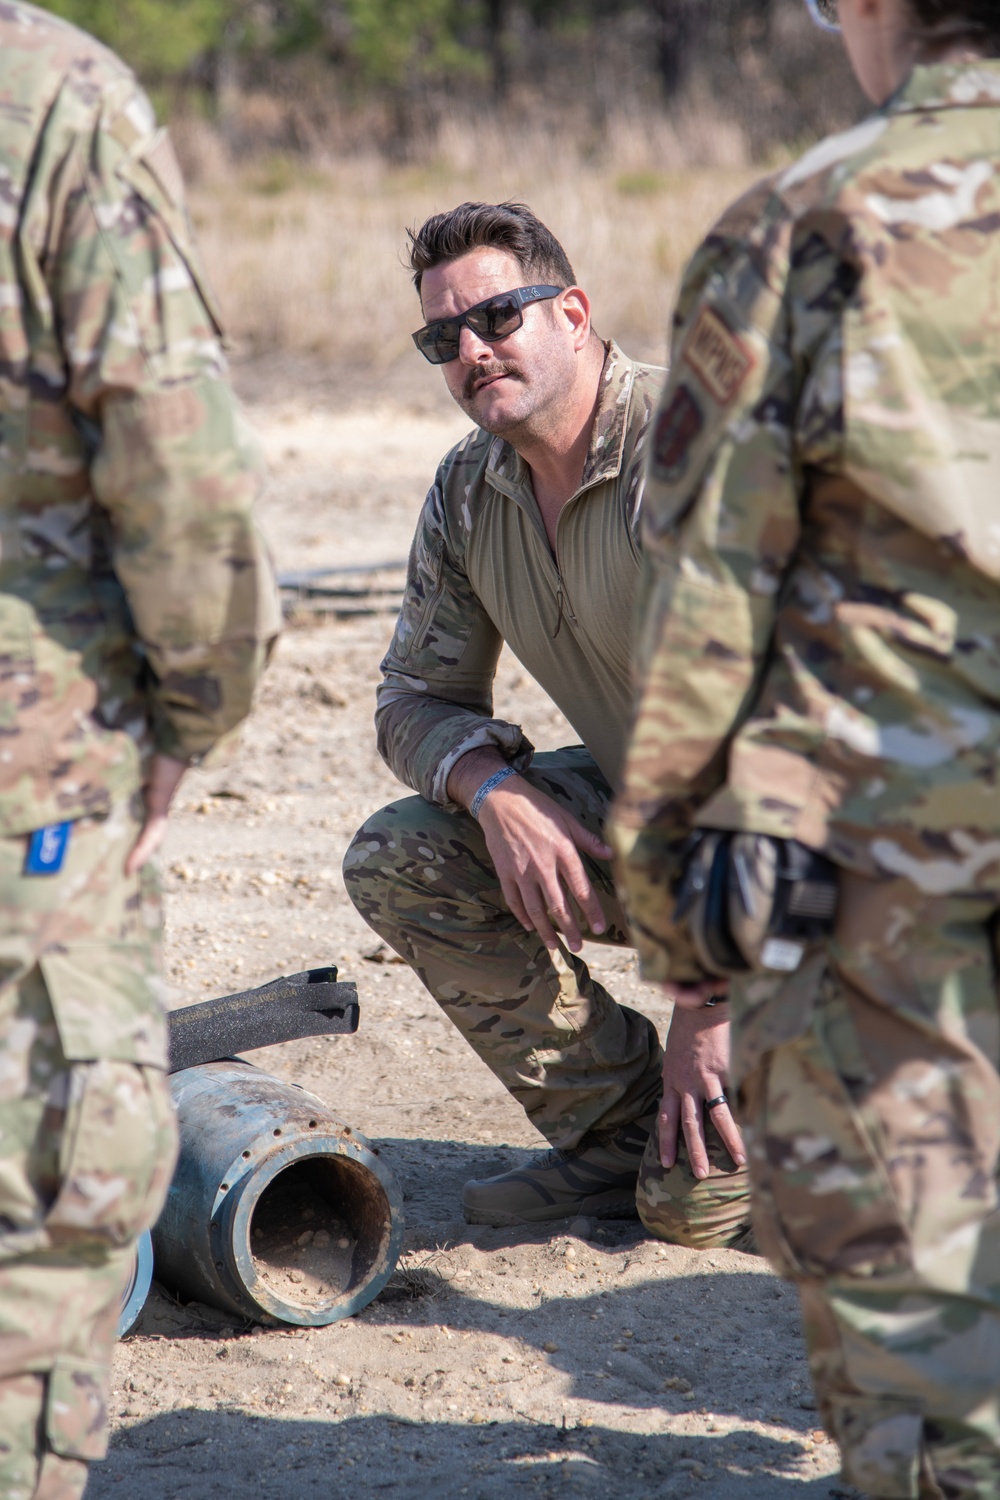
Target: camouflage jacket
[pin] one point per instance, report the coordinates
(136, 603)
(819, 642)
(481, 572)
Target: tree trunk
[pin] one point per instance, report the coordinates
(678, 26)
(496, 30)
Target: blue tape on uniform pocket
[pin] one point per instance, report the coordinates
(47, 849)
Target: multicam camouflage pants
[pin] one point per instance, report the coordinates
(871, 1100)
(567, 1052)
(87, 1142)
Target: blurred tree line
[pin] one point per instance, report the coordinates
(388, 41)
(415, 55)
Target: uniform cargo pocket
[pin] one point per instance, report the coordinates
(76, 1409)
(118, 1151)
(106, 1003)
(424, 591)
(585, 1013)
(824, 1203)
(881, 1440)
(770, 1009)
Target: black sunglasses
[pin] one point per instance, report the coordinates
(490, 320)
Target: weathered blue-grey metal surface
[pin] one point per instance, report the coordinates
(139, 1283)
(253, 1151)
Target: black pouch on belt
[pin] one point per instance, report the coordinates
(753, 902)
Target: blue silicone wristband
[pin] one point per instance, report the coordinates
(488, 786)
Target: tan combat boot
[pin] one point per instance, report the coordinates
(596, 1179)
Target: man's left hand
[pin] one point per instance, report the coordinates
(696, 1068)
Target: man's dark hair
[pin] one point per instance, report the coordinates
(981, 17)
(494, 226)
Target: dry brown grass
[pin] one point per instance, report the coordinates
(308, 257)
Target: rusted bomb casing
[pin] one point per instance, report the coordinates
(276, 1209)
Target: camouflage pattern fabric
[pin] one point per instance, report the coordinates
(817, 645)
(871, 1105)
(136, 610)
(482, 573)
(87, 1140)
(708, 1214)
(567, 1052)
(818, 659)
(136, 602)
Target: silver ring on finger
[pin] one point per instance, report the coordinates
(714, 1103)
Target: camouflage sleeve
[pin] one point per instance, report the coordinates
(435, 701)
(173, 463)
(721, 521)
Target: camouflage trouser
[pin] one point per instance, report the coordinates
(87, 1142)
(871, 1100)
(567, 1052)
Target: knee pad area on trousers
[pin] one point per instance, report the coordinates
(711, 1213)
(674, 1228)
(370, 854)
(385, 863)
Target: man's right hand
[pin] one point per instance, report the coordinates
(535, 847)
(162, 781)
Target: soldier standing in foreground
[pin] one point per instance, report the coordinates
(136, 611)
(483, 882)
(819, 674)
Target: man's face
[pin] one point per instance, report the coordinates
(504, 385)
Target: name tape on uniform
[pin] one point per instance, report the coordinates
(718, 357)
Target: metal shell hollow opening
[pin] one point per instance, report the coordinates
(312, 1235)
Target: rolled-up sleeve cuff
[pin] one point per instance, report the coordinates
(488, 734)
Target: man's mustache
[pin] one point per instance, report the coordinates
(487, 372)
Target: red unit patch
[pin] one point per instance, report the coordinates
(676, 429)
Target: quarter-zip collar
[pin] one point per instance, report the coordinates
(507, 471)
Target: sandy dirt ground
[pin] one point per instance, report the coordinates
(544, 1364)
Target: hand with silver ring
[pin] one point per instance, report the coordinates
(695, 1078)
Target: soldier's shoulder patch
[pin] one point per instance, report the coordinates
(677, 426)
(717, 355)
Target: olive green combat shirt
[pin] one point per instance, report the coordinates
(482, 572)
(136, 601)
(819, 641)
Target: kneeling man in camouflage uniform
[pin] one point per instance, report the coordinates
(484, 881)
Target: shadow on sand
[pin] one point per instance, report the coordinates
(201, 1455)
(733, 1336)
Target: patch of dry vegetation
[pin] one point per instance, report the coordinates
(308, 256)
